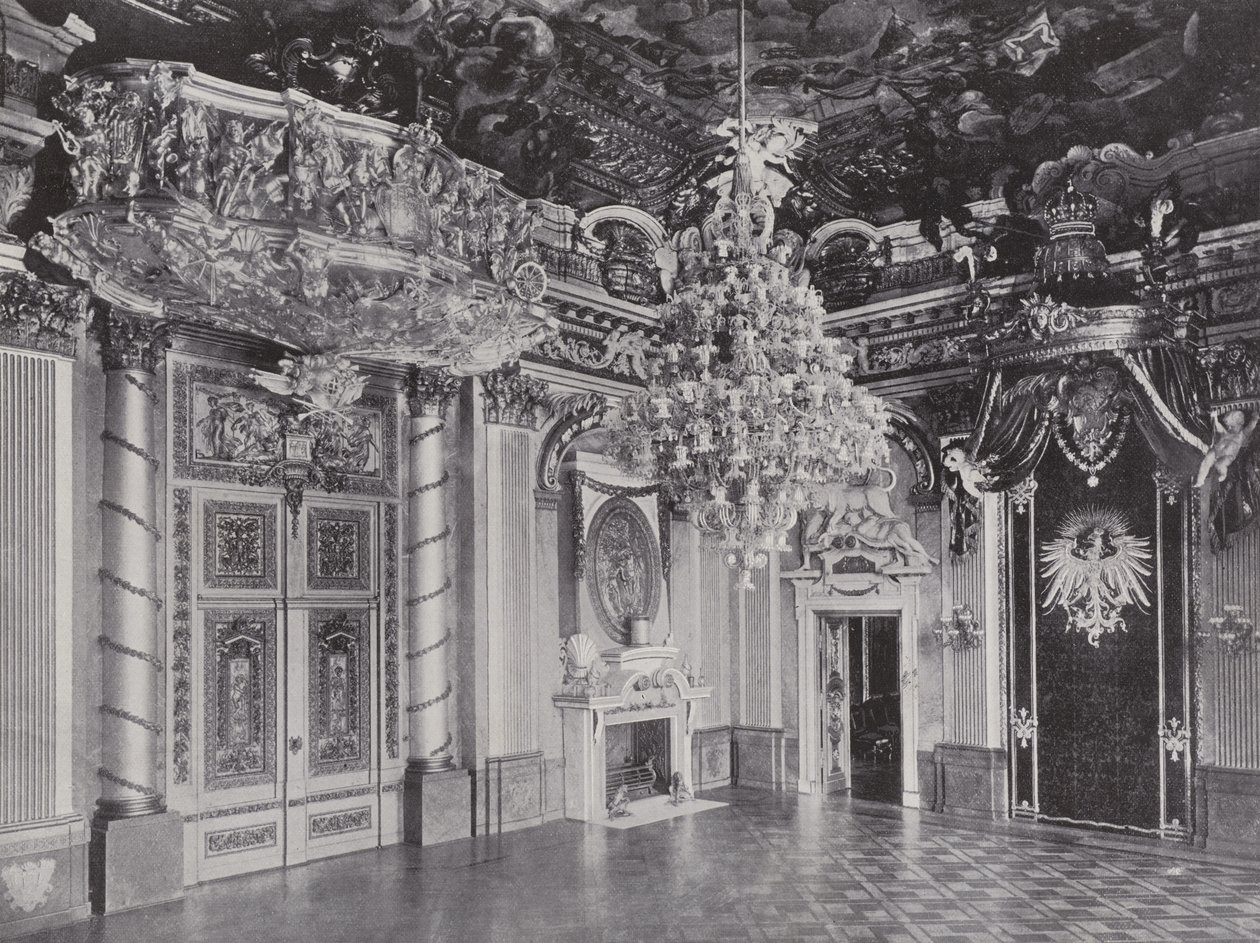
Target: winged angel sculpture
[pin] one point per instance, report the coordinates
(1095, 567)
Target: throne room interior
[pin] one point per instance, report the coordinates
(476, 470)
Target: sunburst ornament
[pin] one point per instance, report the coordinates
(1095, 567)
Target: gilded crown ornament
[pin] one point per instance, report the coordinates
(749, 409)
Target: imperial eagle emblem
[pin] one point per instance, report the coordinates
(1095, 567)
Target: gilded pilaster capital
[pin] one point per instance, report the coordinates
(515, 399)
(130, 342)
(40, 316)
(429, 392)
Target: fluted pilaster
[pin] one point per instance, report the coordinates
(428, 583)
(131, 639)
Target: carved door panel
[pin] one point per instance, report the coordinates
(274, 697)
(334, 805)
(833, 663)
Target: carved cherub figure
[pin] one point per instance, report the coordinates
(618, 805)
(972, 474)
(1233, 432)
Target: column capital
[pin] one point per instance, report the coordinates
(130, 342)
(515, 399)
(429, 392)
(40, 316)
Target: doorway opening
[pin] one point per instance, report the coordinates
(875, 707)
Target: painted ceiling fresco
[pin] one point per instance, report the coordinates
(920, 105)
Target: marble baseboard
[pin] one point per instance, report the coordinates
(711, 758)
(1230, 804)
(759, 757)
(509, 793)
(437, 807)
(136, 862)
(43, 876)
(970, 781)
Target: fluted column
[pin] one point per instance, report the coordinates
(428, 583)
(131, 639)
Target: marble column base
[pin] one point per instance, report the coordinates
(1229, 800)
(437, 807)
(43, 875)
(136, 862)
(970, 781)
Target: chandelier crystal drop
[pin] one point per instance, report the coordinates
(749, 411)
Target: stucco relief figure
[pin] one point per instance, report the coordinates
(862, 511)
(1233, 432)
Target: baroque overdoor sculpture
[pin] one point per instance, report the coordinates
(285, 218)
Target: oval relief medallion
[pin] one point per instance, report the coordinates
(626, 566)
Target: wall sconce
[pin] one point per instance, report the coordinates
(1233, 631)
(960, 631)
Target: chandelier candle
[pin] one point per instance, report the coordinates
(749, 409)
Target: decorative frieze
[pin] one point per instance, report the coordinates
(338, 823)
(620, 354)
(235, 840)
(226, 429)
(515, 399)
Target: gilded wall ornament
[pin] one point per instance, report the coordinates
(1095, 567)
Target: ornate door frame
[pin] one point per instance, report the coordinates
(836, 587)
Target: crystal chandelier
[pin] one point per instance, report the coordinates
(749, 410)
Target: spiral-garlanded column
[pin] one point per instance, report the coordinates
(428, 583)
(131, 639)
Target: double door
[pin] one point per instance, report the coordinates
(280, 749)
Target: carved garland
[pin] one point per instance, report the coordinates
(583, 414)
(581, 480)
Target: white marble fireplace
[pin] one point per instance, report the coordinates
(619, 686)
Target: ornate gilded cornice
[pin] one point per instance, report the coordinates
(130, 342)
(39, 316)
(429, 392)
(515, 400)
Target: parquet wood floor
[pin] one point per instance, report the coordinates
(769, 867)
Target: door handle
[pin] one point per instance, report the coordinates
(295, 744)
